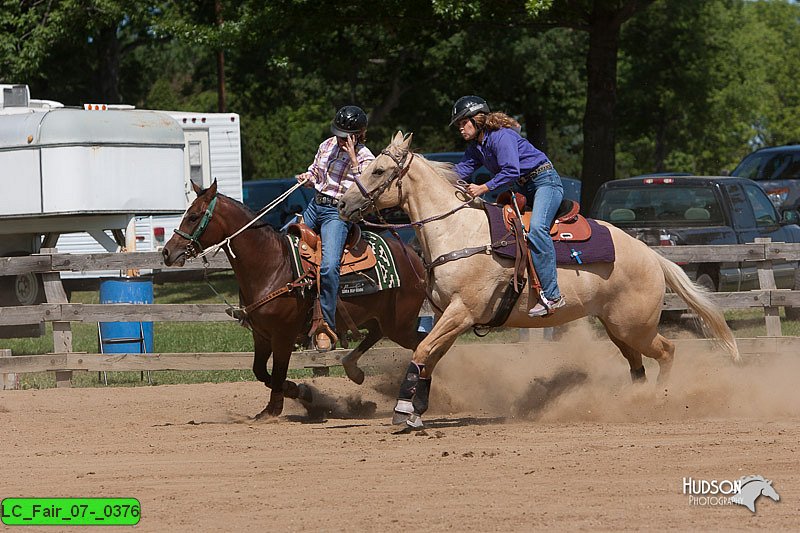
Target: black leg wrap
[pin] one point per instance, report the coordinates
(409, 385)
(638, 375)
(420, 401)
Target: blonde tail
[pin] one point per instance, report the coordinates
(698, 300)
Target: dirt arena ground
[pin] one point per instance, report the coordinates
(515, 442)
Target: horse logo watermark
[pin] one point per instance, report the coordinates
(751, 488)
(743, 491)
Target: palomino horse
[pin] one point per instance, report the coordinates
(260, 258)
(626, 296)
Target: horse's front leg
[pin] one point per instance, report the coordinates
(412, 401)
(261, 354)
(282, 353)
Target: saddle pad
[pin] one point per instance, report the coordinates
(598, 249)
(382, 276)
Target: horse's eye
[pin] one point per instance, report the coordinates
(378, 171)
(193, 217)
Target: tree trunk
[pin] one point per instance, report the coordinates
(598, 122)
(222, 105)
(536, 129)
(108, 59)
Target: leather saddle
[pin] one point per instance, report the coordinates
(568, 224)
(357, 255)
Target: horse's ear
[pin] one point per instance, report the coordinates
(398, 138)
(197, 189)
(213, 188)
(407, 141)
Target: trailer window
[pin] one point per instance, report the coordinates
(196, 162)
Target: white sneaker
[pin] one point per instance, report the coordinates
(541, 310)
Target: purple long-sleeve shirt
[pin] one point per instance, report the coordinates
(505, 153)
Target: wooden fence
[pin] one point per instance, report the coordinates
(61, 313)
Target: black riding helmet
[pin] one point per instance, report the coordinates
(468, 107)
(349, 120)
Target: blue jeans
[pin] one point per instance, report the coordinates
(324, 219)
(544, 192)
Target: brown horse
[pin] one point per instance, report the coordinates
(260, 258)
(626, 295)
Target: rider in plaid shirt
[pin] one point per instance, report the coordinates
(339, 161)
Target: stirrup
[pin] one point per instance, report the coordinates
(547, 308)
(236, 312)
(240, 315)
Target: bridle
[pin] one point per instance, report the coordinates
(400, 170)
(191, 249)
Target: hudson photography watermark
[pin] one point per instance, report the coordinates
(743, 491)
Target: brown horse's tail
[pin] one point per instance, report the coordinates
(698, 300)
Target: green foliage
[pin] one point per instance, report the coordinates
(700, 83)
(283, 143)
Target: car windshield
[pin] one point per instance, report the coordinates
(653, 204)
(762, 166)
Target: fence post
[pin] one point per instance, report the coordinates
(62, 331)
(766, 281)
(10, 381)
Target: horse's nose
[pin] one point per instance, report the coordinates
(165, 253)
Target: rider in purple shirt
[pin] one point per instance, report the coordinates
(494, 141)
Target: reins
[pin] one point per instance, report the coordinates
(214, 249)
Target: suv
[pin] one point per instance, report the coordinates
(701, 210)
(777, 171)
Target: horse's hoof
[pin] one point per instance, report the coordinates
(273, 409)
(263, 414)
(399, 418)
(415, 421)
(355, 374)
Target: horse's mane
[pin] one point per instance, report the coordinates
(250, 213)
(443, 168)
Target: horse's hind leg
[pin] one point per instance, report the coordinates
(350, 361)
(634, 358)
(646, 341)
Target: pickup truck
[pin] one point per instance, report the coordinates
(676, 210)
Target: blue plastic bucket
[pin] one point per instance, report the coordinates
(124, 337)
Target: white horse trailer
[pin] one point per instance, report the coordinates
(212, 150)
(68, 170)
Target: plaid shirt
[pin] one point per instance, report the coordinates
(331, 172)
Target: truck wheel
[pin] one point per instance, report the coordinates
(707, 282)
(22, 289)
(793, 313)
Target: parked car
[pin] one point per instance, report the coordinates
(777, 171)
(258, 193)
(700, 210)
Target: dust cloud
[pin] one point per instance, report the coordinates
(584, 378)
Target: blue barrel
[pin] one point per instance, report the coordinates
(126, 337)
(425, 324)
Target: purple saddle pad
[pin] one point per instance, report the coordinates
(598, 249)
